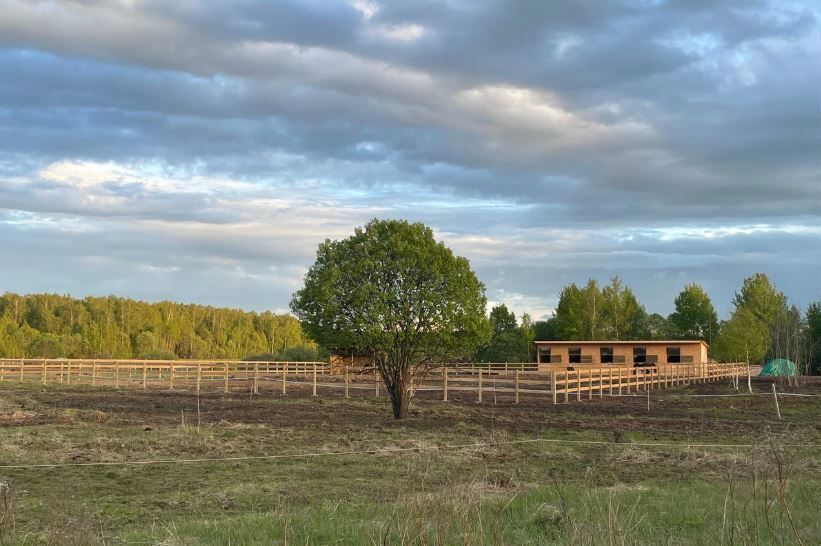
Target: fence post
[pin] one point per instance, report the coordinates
(44, 371)
(314, 387)
(553, 385)
(516, 387)
(171, 375)
(775, 397)
(21, 370)
(256, 377)
(445, 384)
(376, 382)
(566, 386)
(578, 385)
(284, 376)
(116, 374)
(601, 382)
(93, 373)
(199, 376)
(346, 382)
(145, 373)
(480, 385)
(590, 384)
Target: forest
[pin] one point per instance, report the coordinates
(762, 324)
(50, 325)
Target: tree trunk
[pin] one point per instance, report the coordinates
(400, 404)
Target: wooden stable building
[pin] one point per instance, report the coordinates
(561, 354)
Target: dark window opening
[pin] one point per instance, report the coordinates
(673, 355)
(606, 355)
(639, 355)
(574, 355)
(544, 355)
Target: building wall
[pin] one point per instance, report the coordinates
(622, 353)
(339, 362)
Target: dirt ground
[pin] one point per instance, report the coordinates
(693, 410)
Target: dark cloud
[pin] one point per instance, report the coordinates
(547, 142)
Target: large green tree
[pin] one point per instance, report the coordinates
(578, 314)
(622, 316)
(743, 338)
(391, 290)
(502, 319)
(694, 317)
(757, 322)
(761, 298)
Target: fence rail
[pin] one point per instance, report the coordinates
(554, 385)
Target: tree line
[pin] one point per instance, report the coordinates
(55, 326)
(761, 326)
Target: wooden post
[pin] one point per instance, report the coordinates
(601, 382)
(145, 373)
(516, 387)
(284, 376)
(480, 385)
(199, 376)
(346, 382)
(620, 374)
(93, 373)
(610, 381)
(630, 372)
(256, 378)
(225, 378)
(116, 374)
(314, 388)
(21, 370)
(445, 384)
(44, 371)
(566, 386)
(775, 397)
(578, 385)
(376, 382)
(553, 385)
(590, 384)
(171, 375)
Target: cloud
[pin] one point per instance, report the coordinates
(211, 145)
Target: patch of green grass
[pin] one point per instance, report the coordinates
(498, 493)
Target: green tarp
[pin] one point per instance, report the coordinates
(779, 367)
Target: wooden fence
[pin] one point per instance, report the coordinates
(555, 385)
(146, 374)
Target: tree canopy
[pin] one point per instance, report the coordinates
(694, 317)
(393, 291)
(50, 325)
(590, 313)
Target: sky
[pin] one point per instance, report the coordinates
(198, 151)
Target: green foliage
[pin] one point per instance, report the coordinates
(743, 338)
(758, 323)
(656, 327)
(761, 298)
(502, 320)
(392, 291)
(49, 325)
(591, 313)
(579, 312)
(527, 336)
(293, 354)
(813, 318)
(545, 330)
(694, 317)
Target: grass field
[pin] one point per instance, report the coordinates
(466, 473)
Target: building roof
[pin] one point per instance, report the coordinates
(621, 342)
